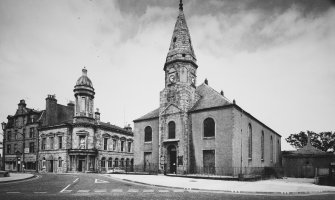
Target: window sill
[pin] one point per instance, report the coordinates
(209, 138)
(262, 160)
(149, 142)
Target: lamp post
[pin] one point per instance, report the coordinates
(3, 126)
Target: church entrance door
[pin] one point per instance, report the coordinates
(172, 152)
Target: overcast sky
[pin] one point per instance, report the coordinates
(276, 58)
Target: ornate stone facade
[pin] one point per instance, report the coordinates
(73, 139)
(195, 127)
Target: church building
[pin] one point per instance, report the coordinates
(197, 129)
(73, 139)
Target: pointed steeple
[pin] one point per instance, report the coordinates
(181, 45)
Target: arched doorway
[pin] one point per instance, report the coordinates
(172, 153)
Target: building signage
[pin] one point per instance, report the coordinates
(30, 158)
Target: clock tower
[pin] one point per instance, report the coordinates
(178, 97)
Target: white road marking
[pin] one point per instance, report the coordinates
(163, 190)
(13, 192)
(65, 188)
(98, 191)
(40, 192)
(178, 190)
(132, 190)
(100, 181)
(83, 191)
(117, 190)
(148, 190)
(75, 180)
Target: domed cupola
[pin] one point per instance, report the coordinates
(84, 94)
(84, 81)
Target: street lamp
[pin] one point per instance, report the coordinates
(3, 126)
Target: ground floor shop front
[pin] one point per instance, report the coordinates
(20, 163)
(84, 160)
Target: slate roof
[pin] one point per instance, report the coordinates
(209, 98)
(151, 115)
(115, 128)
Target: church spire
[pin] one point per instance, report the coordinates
(180, 47)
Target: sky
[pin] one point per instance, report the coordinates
(275, 58)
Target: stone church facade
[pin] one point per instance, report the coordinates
(73, 139)
(197, 129)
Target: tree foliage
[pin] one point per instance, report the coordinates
(324, 141)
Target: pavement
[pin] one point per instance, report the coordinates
(288, 186)
(16, 177)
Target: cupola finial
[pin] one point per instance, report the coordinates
(181, 5)
(84, 70)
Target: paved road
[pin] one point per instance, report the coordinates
(94, 186)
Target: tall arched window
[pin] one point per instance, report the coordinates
(172, 130)
(271, 148)
(262, 146)
(116, 162)
(103, 162)
(110, 163)
(249, 141)
(147, 134)
(209, 127)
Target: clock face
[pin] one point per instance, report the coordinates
(172, 78)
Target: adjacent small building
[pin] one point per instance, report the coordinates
(307, 162)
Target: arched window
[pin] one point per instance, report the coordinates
(103, 162)
(122, 162)
(116, 162)
(262, 146)
(110, 162)
(127, 162)
(249, 141)
(147, 134)
(172, 130)
(209, 127)
(271, 148)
